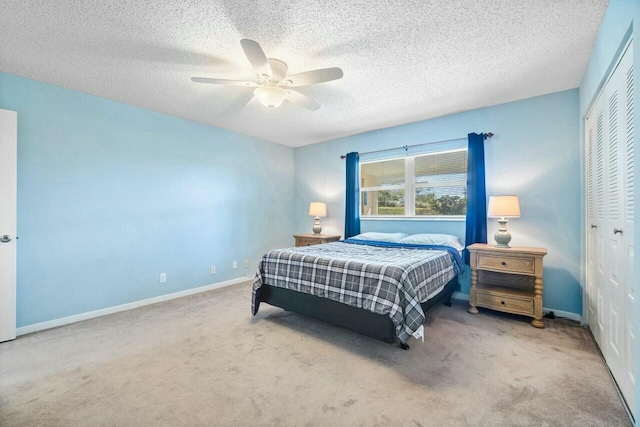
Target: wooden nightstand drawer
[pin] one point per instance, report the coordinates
(505, 303)
(510, 264)
(306, 242)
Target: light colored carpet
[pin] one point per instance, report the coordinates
(203, 360)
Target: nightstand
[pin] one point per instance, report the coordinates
(314, 239)
(507, 279)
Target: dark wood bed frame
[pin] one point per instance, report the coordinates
(365, 322)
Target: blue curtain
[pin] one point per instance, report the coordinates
(352, 208)
(476, 231)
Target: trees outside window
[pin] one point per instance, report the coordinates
(429, 185)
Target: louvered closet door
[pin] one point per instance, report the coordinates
(595, 215)
(613, 239)
(591, 221)
(610, 192)
(602, 291)
(627, 146)
(599, 294)
(618, 230)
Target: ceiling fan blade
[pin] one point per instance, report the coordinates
(233, 110)
(256, 57)
(222, 81)
(302, 100)
(315, 76)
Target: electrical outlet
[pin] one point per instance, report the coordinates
(246, 263)
(212, 269)
(163, 277)
(235, 264)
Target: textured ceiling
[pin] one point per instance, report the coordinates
(403, 61)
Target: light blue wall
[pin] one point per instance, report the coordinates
(534, 154)
(111, 195)
(621, 22)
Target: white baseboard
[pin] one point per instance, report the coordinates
(559, 313)
(35, 327)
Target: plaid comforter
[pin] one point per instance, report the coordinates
(388, 279)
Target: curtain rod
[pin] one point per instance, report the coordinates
(406, 147)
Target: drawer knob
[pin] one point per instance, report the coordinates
(502, 302)
(503, 263)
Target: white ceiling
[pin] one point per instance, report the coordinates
(403, 61)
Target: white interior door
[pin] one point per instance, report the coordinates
(610, 252)
(8, 201)
(592, 232)
(597, 210)
(626, 143)
(612, 232)
(619, 227)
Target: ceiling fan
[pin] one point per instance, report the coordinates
(273, 84)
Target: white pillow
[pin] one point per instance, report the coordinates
(381, 237)
(434, 239)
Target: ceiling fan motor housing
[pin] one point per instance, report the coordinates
(278, 70)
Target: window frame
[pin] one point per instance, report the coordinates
(410, 187)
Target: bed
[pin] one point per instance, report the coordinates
(377, 288)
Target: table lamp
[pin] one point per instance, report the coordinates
(317, 209)
(503, 207)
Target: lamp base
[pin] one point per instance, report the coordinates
(503, 237)
(317, 228)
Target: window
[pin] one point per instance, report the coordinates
(427, 185)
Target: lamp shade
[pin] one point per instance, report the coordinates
(503, 207)
(270, 96)
(318, 209)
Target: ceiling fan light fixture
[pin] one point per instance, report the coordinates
(270, 96)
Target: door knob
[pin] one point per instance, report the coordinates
(594, 226)
(616, 231)
(5, 239)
